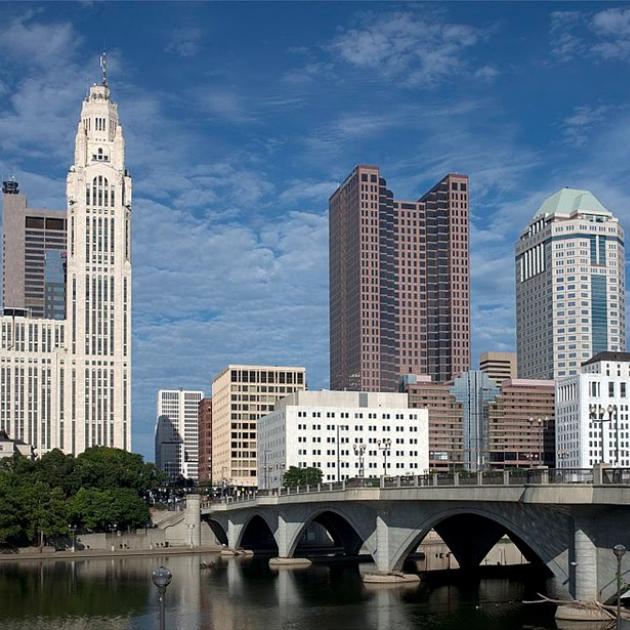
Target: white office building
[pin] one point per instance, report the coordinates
(67, 383)
(570, 286)
(344, 434)
(177, 433)
(592, 423)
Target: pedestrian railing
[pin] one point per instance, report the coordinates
(598, 476)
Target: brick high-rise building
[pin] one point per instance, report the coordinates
(33, 256)
(205, 439)
(399, 282)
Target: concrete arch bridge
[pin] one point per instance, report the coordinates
(565, 520)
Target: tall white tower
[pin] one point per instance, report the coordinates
(570, 286)
(97, 401)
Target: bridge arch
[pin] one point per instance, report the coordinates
(257, 533)
(350, 527)
(471, 531)
(218, 530)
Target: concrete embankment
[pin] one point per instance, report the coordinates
(103, 553)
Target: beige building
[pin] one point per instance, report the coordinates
(498, 365)
(241, 394)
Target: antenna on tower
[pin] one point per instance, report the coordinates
(103, 64)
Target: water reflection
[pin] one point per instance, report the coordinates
(244, 594)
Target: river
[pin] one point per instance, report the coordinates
(244, 594)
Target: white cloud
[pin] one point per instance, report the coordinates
(416, 48)
(35, 43)
(184, 41)
(565, 43)
(604, 35)
(613, 27)
(487, 73)
(578, 125)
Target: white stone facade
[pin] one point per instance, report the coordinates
(320, 429)
(83, 398)
(33, 367)
(177, 432)
(570, 286)
(600, 391)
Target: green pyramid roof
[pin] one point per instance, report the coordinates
(568, 200)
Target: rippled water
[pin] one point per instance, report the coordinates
(244, 594)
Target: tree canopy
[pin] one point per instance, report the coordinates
(94, 491)
(301, 477)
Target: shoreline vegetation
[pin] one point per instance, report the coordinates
(57, 497)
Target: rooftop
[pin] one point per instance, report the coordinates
(619, 357)
(570, 200)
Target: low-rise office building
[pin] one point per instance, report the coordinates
(475, 423)
(592, 423)
(344, 434)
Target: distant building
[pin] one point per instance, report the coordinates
(570, 286)
(499, 366)
(33, 256)
(328, 429)
(9, 447)
(399, 282)
(205, 439)
(177, 433)
(241, 394)
(476, 424)
(592, 424)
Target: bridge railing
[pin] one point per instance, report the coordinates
(508, 477)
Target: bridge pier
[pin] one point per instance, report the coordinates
(192, 519)
(387, 543)
(585, 588)
(286, 538)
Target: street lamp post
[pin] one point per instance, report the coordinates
(162, 578)
(384, 445)
(596, 414)
(359, 451)
(619, 551)
(541, 423)
(73, 529)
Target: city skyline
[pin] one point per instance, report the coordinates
(216, 201)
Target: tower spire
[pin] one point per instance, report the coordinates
(103, 64)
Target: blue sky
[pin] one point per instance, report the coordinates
(240, 120)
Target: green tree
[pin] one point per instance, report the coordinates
(99, 510)
(11, 526)
(45, 511)
(301, 477)
(108, 468)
